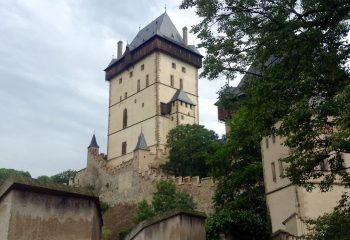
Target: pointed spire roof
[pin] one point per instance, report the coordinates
(93, 142)
(182, 96)
(141, 143)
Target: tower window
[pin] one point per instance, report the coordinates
(123, 148)
(121, 98)
(183, 69)
(280, 163)
(125, 95)
(130, 74)
(147, 80)
(172, 80)
(138, 85)
(181, 84)
(273, 169)
(143, 104)
(322, 166)
(273, 139)
(125, 118)
(267, 142)
(173, 65)
(142, 67)
(120, 80)
(182, 117)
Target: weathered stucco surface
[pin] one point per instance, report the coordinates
(178, 225)
(36, 213)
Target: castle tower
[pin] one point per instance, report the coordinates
(153, 86)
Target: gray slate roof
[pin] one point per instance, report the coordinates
(181, 96)
(93, 142)
(141, 143)
(163, 27)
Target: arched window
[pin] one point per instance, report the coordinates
(125, 118)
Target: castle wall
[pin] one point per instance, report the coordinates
(178, 225)
(32, 210)
(126, 184)
(5, 215)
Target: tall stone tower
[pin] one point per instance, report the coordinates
(153, 87)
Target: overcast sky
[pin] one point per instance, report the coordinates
(52, 88)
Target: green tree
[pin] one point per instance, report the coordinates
(335, 225)
(301, 77)
(144, 211)
(298, 51)
(239, 200)
(6, 173)
(165, 198)
(44, 179)
(190, 146)
(63, 177)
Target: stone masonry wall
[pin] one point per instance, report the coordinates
(124, 184)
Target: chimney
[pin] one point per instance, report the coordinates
(184, 35)
(120, 49)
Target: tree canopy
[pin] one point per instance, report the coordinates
(164, 199)
(239, 200)
(190, 146)
(6, 173)
(300, 77)
(295, 57)
(62, 177)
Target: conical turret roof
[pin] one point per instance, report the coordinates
(141, 143)
(93, 142)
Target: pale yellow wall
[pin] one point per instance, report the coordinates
(270, 154)
(284, 199)
(139, 107)
(130, 135)
(190, 82)
(316, 203)
(129, 84)
(189, 78)
(281, 205)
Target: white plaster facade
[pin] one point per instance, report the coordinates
(289, 204)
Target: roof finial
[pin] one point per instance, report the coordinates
(165, 8)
